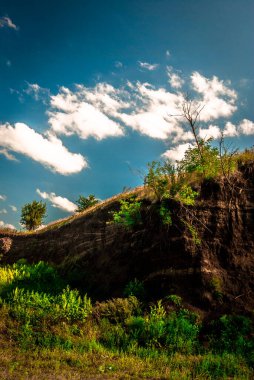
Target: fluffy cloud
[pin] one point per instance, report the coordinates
(49, 151)
(3, 211)
(246, 127)
(152, 112)
(230, 130)
(14, 208)
(6, 225)
(176, 153)
(104, 110)
(73, 113)
(6, 22)
(211, 132)
(2, 197)
(57, 201)
(148, 66)
(174, 79)
(218, 99)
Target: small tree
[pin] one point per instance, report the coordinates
(85, 202)
(32, 215)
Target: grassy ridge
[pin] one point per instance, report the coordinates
(50, 331)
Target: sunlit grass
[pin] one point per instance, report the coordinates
(49, 331)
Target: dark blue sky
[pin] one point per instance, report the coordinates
(115, 122)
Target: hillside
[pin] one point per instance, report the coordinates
(101, 258)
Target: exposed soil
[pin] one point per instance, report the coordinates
(102, 258)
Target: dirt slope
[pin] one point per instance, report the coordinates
(102, 257)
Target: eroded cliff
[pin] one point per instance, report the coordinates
(102, 257)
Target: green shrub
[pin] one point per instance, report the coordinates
(113, 336)
(30, 305)
(207, 164)
(193, 231)
(175, 332)
(117, 309)
(129, 214)
(181, 333)
(175, 300)
(86, 202)
(157, 179)
(233, 334)
(217, 367)
(134, 288)
(216, 285)
(39, 277)
(165, 215)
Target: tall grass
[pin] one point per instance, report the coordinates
(40, 313)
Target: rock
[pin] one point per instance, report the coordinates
(5, 245)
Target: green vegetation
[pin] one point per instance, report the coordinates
(86, 202)
(49, 330)
(135, 288)
(32, 215)
(216, 286)
(129, 214)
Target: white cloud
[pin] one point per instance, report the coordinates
(49, 151)
(152, 110)
(246, 127)
(3, 197)
(6, 225)
(3, 211)
(218, 99)
(6, 22)
(176, 153)
(8, 155)
(174, 79)
(211, 132)
(37, 92)
(104, 111)
(14, 208)
(58, 201)
(168, 54)
(73, 113)
(230, 130)
(148, 66)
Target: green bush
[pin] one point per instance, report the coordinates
(157, 179)
(175, 300)
(39, 277)
(129, 214)
(165, 214)
(34, 306)
(86, 202)
(117, 309)
(207, 164)
(135, 288)
(233, 334)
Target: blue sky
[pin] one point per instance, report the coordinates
(87, 89)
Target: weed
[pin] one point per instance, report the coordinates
(135, 288)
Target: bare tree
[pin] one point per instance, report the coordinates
(191, 112)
